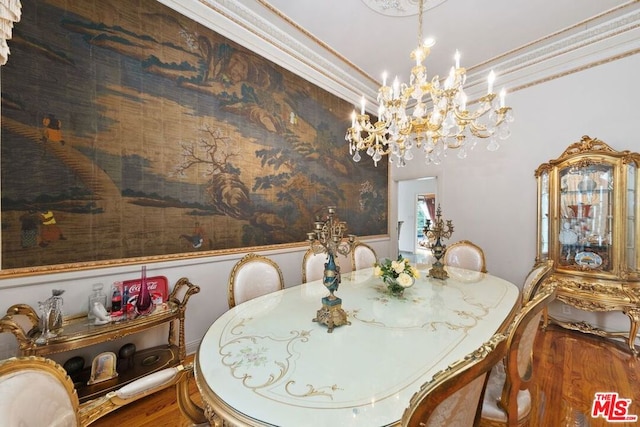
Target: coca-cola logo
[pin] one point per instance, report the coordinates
(135, 287)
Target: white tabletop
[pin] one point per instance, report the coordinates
(265, 362)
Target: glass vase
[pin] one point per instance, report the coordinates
(143, 303)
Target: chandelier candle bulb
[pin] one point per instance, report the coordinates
(491, 79)
(363, 102)
(503, 94)
(457, 58)
(384, 79)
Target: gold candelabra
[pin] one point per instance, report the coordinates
(438, 231)
(328, 237)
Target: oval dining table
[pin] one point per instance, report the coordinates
(266, 363)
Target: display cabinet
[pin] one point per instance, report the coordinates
(588, 205)
(78, 332)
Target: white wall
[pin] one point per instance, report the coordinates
(491, 197)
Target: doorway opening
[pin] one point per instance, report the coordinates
(416, 204)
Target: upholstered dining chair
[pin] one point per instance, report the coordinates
(452, 397)
(363, 256)
(534, 279)
(36, 391)
(507, 398)
(254, 275)
(313, 266)
(345, 262)
(465, 254)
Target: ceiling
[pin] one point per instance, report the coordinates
(344, 46)
(479, 29)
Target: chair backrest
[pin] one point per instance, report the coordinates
(35, 392)
(363, 256)
(452, 396)
(313, 266)
(254, 275)
(534, 279)
(465, 254)
(345, 262)
(506, 383)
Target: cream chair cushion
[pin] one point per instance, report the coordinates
(345, 263)
(363, 256)
(465, 254)
(313, 266)
(253, 276)
(490, 409)
(36, 397)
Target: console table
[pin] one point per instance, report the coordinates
(78, 332)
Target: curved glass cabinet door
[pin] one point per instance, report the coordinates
(543, 216)
(586, 217)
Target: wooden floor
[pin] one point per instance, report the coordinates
(570, 368)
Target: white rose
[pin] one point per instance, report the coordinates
(405, 280)
(377, 271)
(398, 267)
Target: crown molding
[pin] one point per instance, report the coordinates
(259, 27)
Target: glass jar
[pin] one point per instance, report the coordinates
(96, 296)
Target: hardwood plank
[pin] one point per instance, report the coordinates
(569, 368)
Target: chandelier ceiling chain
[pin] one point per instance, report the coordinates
(439, 121)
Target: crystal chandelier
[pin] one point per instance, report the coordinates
(448, 124)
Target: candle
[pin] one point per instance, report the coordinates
(384, 78)
(503, 93)
(448, 83)
(353, 118)
(491, 79)
(418, 56)
(463, 103)
(396, 87)
(362, 104)
(457, 58)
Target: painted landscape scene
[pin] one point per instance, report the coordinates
(129, 130)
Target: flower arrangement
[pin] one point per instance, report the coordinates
(398, 274)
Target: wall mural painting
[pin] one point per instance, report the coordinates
(129, 130)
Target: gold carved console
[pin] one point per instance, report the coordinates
(588, 209)
(78, 332)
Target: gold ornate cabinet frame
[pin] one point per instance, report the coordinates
(588, 209)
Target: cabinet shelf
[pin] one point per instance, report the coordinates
(165, 356)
